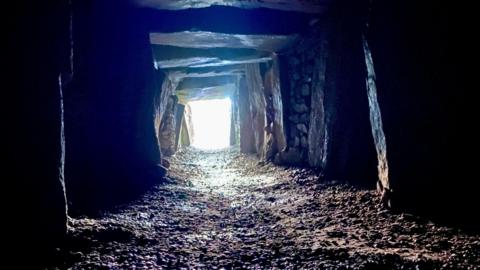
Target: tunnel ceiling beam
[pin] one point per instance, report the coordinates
(180, 74)
(229, 70)
(178, 57)
(206, 40)
(314, 6)
(162, 52)
(192, 83)
(207, 71)
(199, 62)
(205, 93)
(200, 71)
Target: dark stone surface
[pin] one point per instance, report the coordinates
(292, 5)
(257, 102)
(168, 141)
(112, 151)
(215, 41)
(179, 112)
(317, 130)
(247, 139)
(275, 130)
(383, 185)
(425, 109)
(32, 127)
(351, 155)
(235, 117)
(187, 133)
(169, 84)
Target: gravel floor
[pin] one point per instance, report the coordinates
(224, 210)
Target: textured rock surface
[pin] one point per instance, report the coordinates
(108, 109)
(167, 128)
(376, 122)
(275, 125)
(426, 135)
(235, 117)
(38, 74)
(33, 142)
(257, 102)
(316, 6)
(179, 118)
(303, 64)
(271, 43)
(247, 139)
(317, 133)
(172, 56)
(169, 84)
(351, 154)
(227, 211)
(187, 132)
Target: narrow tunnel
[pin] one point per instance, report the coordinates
(238, 135)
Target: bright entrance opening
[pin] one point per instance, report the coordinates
(211, 123)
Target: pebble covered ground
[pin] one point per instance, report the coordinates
(225, 210)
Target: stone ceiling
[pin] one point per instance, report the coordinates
(201, 39)
(198, 58)
(209, 49)
(204, 93)
(308, 6)
(192, 56)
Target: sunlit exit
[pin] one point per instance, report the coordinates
(211, 123)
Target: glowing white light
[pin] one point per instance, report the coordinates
(211, 123)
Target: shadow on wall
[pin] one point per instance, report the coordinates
(421, 100)
(112, 151)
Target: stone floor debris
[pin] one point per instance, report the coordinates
(225, 210)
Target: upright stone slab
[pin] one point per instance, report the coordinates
(109, 112)
(32, 129)
(247, 139)
(257, 106)
(317, 139)
(168, 138)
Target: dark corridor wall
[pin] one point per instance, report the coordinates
(112, 150)
(37, 54)
(423, 108)
(350, 148)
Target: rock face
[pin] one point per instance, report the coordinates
(328, 112)
(187, 132)
(257, 106)
(208, 40)
(426, 112)
(351, 154)
(377, 125)
(32, 127)
(167, 132)
(276, 140)
(108, 108)
(247, 139)
(290, 5)
(317, 134)
(169, 84)
(300, 70)
(235, 118)
(179, 115)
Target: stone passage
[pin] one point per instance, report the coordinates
(224, 210)
(100, 121)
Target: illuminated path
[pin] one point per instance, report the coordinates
(226, 211)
